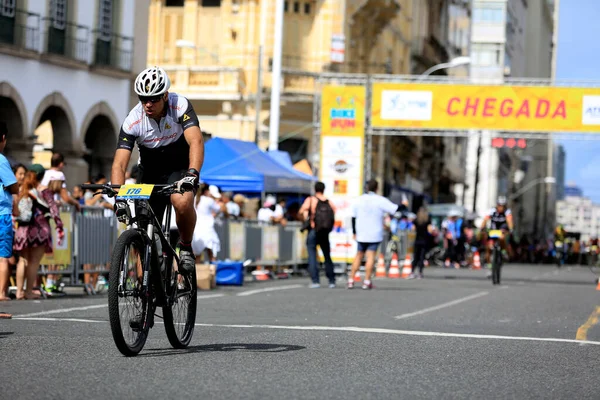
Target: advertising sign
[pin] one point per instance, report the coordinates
(342, 154)
(503, 108)
(61, 253)
(237, 240)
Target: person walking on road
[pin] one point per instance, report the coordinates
(423, 229)
(367, 225)
(320, 214)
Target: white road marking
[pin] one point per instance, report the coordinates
(62, 310)
(270, 289)
(354, 329)
(209, 296)
(60, 319)
(67, 310)
(444, 305)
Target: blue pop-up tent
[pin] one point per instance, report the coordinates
(283, 158)
(238, 166)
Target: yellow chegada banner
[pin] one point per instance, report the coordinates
(343, 110)
(503, 108)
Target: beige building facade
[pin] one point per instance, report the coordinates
(210, 49)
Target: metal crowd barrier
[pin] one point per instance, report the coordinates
(90, 236)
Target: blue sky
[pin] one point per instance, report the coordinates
(578, 57)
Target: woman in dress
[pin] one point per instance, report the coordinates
(34, 238)
(205, 235)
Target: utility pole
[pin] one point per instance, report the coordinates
(476, 174)
(276, 77)
(258, 99)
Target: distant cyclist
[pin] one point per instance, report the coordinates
(499, 218)
(167, 131)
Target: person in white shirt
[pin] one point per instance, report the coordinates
(368, 213)
(55, 173)
(267, 212)
(205, 235)
(233, 210)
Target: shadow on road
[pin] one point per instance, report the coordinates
(5, 334)
(243, 347)
(505, 279)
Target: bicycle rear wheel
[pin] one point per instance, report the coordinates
(179, 311)
(126, 298)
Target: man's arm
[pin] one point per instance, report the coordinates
(484, 223)
(119, 167)
(509, 221)
(304, 209)
(193, 136)
(13, 189)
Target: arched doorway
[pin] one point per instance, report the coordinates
(12, 112)
(101, 142)
(54, 128)
(100, 128)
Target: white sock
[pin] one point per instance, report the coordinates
(351, 279)
(367, 282)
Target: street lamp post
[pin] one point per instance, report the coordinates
(455, 62)
(550, 180)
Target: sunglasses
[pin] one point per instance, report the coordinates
(151, 99)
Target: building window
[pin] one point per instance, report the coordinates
(296, 7)
(58, 13)
(286, 6)
(7, 8)
(306, 8)
(489, 12)
(174, 3)
(211, 3)
(105, 20)
(486, 54)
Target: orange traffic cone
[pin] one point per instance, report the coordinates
(476, 261)
(260, 274)
(380, 271)
(394, 271)
(598, 287)
(357, 277)
(407, 268)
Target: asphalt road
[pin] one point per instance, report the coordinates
(451, 335)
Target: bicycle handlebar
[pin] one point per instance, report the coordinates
(163, 189)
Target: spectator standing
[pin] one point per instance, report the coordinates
(205, 236)
(34, 236)
(233, 209)
(241, 201)
(55, 173)
(10, 186)
(320, 214)
(368, 214)
(267, 212)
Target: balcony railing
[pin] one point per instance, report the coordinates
(22, 30)
(113, 50)
(207, 82)
(67, 39)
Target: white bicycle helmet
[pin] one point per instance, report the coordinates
(152, 81)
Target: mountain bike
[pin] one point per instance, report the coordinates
(495, 235)
(144, 274)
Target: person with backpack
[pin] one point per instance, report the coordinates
(319, 214)
(367, 225)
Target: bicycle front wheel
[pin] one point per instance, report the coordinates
(128, 304)
(179, 310)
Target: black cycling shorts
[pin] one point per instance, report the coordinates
(160, 203)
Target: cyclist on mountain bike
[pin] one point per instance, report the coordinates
(167, 131)
(500, 218)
